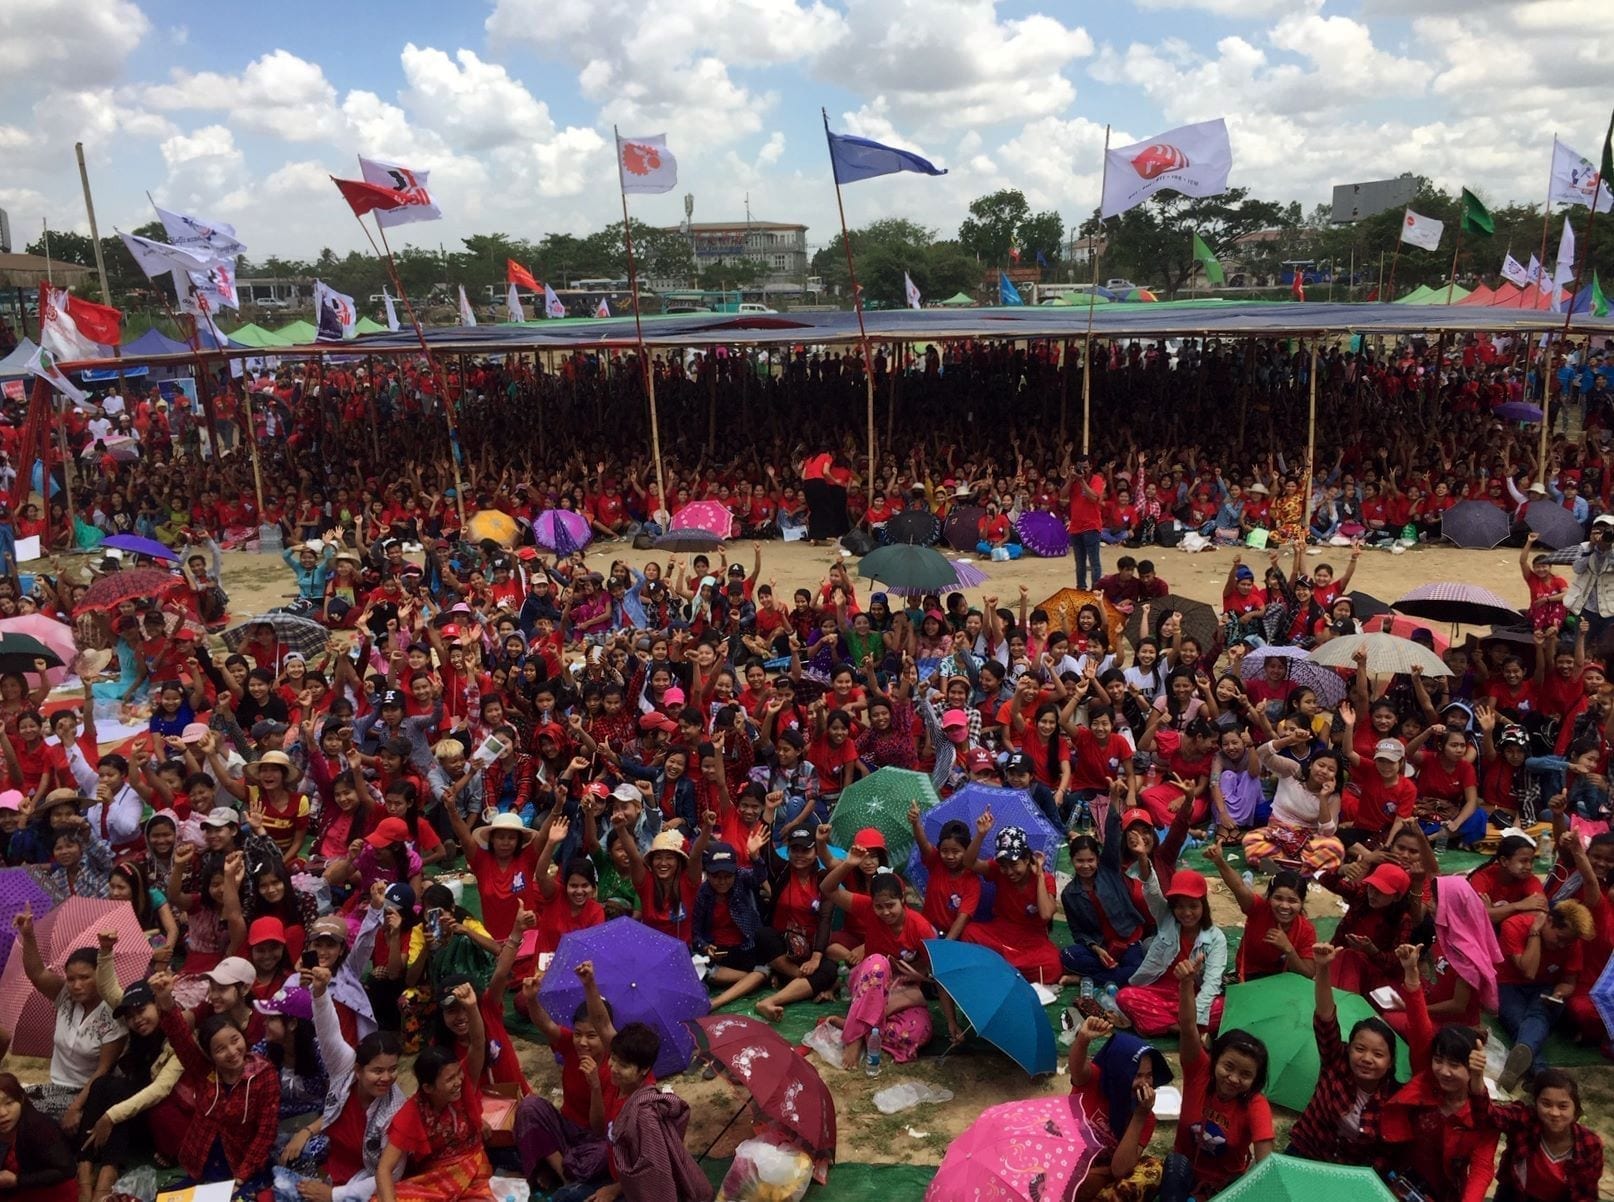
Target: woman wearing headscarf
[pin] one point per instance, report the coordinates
(1115, 1090)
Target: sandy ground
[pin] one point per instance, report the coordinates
(977, 1076)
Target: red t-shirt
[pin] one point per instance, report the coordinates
(1217, 1137)
(503, 888)
(1086, 515)
(798, 905)
(1097, 764)
(1446, 784)
(675, 918)
(907, 945)
(1556, 962)
(1095, 1105)
(948, 894)
(1442, 986)
(1016, 904)
(1257, 957)
(1490, 881)
(1235, 602)
(1373, 806)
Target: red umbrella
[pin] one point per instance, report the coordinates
(129, 584)
(710, 516)
(786, 1091)
(77, 922)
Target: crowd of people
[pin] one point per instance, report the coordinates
(596, 733)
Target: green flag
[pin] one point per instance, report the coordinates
(1599, 301)
(1213, 269)
(1476, 217)
(1607, 167)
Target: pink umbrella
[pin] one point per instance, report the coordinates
(710, 516)
(75, 923)
(58, 636)
(1041, 1148)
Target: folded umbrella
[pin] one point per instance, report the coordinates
(135, 545)
(710, 516)
(1199, 621)
(646, 976)
(128, 584)
(1555, 525)
(908, 568)
(24, 653)
(1281, 1178)
(786, 1091)
(1452, 602)
(561, 530)
(76, 923)
(1277, 1010)
(999, 1003)
(962, 529)
(1387, 655)
(1038, 1150)
(1327, 684)
(688, 540)
(917, 526)
(302, 635)
(881, 800)
(1042, 534)
(1475, 524)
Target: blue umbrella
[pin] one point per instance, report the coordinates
(1603, 998)
(645, 975)
(135, 545)
(999, 1003)
(1010, 807)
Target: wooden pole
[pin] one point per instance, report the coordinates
(891, 399)
(1451, 286)
(100, 263)
(1389, 293)
(375, 420)
(638, 334)
(1092, 303)
(1064, 389)
(857, 307)
(1311, 442)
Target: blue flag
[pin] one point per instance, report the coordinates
(1008, 294)
(1042, 259)
(857, 158)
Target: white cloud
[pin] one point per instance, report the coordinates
(93, 36)
(1249, 10)
(278, 94)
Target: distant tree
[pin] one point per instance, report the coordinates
(1152, 244)
(994, 220)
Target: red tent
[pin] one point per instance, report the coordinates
(1480, 296)
(1504, 295)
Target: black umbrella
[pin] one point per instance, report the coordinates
(962, 530)
(1475, 524)
(20, 653)
(1365, 605)
(917, 526)
(1199, 620)
(688, 539)
(1555, 525)
(1449, 601)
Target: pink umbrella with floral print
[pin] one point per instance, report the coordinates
(1037, 1149)
(58, 636)
(710, 516)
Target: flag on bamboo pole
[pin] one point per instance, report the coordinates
(515, 273)
(71, 327)
(1515, 272)
(1192, 159)
(602, 309)
(1563, 272)
(43, 365)
(1599, 300)
(1202, 255)
(910, 292)
(364, 197)
(392, 314)
(645, 165)
(1476, 217)
(552, 303)
(1575, 180)
(1008, 294)
(854, 158)
(415, 199)
(467, 316)
(512, 305)
(186, 229)
(337, 315)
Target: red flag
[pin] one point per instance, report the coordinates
(1298, 288)
(515, 273)
(103, 323)
(363, 197)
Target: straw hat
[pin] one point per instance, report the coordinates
(91, 663)
(669, 841)
(503, 822)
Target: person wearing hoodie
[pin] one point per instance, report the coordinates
(233, 1129)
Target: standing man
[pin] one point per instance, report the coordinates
(1591, 594)
(1085, 488)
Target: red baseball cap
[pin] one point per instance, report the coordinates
(267, 929)
(869, 839)
(1389, 879)
(388, 831)
(980, 760)
(1187, 883)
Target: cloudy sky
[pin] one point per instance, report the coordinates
(239, 111)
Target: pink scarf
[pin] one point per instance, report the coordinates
(1466, 935)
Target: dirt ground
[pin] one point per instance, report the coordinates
(977, 1076)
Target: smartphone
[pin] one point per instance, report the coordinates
(434, 923)
(545, 959)
(309, 958)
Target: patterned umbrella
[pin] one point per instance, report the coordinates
(1449, 601)
(1327, 684)
(1019, 1152)
(136, 545)
(1066, 605)
(19, 889)
(710, 516)
(1010, 807)
(1041, 533)
(1474, 524)
(1387, 655)
(75, 923)
(561, 530)
(917, 526)
(128, 584)
(1555, 524)
(302, 635)
(1281, 1178)
(785, 1089)
(962, 530)
(881, 800)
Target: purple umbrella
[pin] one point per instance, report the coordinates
(19, 890)
(646, 976)
(1041, 533)
(962, 530)
(1325, 682)
(1517, 411)
(1452, 602)
(561, 530)
(1555, 524)
(135, 545)
(1010, 807)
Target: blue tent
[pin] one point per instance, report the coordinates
(155, 342)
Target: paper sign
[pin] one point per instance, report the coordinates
(27, 548)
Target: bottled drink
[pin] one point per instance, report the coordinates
(1087, 989)
(1107, 999)
(871, 1053)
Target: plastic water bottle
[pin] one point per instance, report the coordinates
(1087, 989)
(1107, 998)
(1249, 879)
(871, 1053)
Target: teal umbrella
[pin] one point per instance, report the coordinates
(908, 567)
(1281, 1178)
(1277, 1010)
(881, 800)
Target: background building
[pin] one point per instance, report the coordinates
(778, 246)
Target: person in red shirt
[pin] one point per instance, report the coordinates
(1448, 789)
(1508, 884)
(1084, 489)
(1278, 937)
(1376, 798)
(1242, 600)
(667, 879)
(503, 860)
(1115, 1091)
(1543, 957)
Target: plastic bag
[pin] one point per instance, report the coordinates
(826, 1041)
(509, 1189)
(764, 1172)
(138, 1183)
(907, 1094)
(286, 1183)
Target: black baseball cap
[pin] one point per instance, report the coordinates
(1019, 761)
(135, 996)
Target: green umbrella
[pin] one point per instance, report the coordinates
(1281, 1178)
(909, 568)
(1277, 1010)
(881, 800)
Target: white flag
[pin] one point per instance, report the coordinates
(646, 165)
(552, 305)
(392, 314)
(411, 181)
(1534, 270)
(1191, 159)
(1515, 273)
(1421, 231)
(602, 309)
(910, 291)
(512, 303)
(186, 230)
(1574, 179)
(467, 317)
(43, 365)
(338, 315)
(209, 290)
(59, 333)
(159, 258)
(1563, 271)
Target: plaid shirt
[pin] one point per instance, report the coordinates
(1583, 1169)
(1318, 1135)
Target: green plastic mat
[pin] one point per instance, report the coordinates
(857, 1182)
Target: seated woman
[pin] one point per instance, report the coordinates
(1441, 1141)
(802, 922)
(1507, 881)
(435, 1140)
(1115, 1090)
(1022, 910)
(1305, 809)
(234, 1122)
(454, 1025)
(36, 1165)
(1550, 1155)
(728, 919)
(1104, 907)
(1542, 959)
(1278, 937)
(1184, 934)
(1380, 916)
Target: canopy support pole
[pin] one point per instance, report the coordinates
(1092, 303)
(1569, 313)
(638, 334)
(857, 307)
(1311, 444)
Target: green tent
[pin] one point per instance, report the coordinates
(256, 335)
(1081, 300)
(1423, 294)
(366, 326)
(298, 333)
(958, 300)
